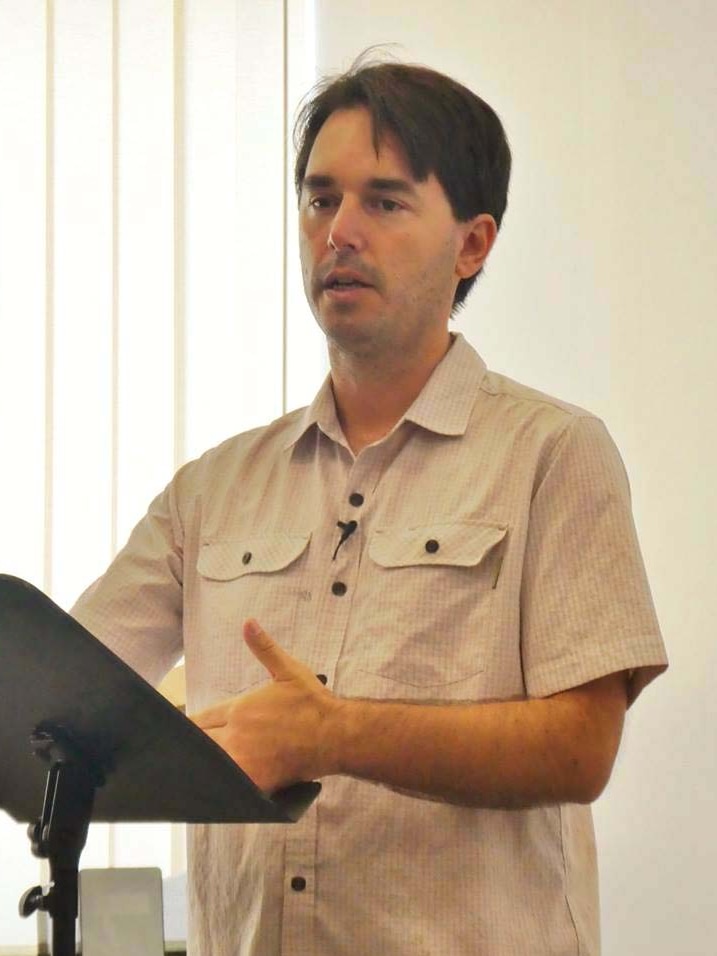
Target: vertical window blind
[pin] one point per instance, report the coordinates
(150, 295)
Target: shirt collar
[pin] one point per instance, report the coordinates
(443, 406)
(321, 412)
(445, 403)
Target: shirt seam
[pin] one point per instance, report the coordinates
(574, 411)
(177, 523)
(566, 895)
(556, 449)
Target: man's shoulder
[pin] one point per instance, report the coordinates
(233, 454)
(511, 394)
(280, 432)
(512, 405)
(528, 418)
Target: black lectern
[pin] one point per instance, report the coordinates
(80, 726)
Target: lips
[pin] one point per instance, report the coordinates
(339, 279)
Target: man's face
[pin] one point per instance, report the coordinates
(378, 249)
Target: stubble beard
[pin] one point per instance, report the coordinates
(389, 335)
(353, 336)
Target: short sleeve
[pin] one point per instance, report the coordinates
(135, 608)
(586, 606)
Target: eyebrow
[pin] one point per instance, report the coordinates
(378, 184)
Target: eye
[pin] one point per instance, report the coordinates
(386, 205)
(320, 202)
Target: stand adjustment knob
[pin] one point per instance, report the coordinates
(35, 898)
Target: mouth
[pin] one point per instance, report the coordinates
(344, 280)
(345, 291)
(340, 285)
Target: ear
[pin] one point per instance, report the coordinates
(478, 237)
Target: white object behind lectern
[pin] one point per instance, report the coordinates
(121, 912)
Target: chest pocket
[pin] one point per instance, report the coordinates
(260, 576)
(261, 554)
(462, 545)
(432, 594)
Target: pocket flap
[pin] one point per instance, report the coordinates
(462, 544)
(227, 560)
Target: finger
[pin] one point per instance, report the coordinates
(280, 665)
(211, 717)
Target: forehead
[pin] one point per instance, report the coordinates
(344, 145)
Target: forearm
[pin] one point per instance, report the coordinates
(505, 754)
(502, 755)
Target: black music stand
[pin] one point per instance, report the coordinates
(111, 749)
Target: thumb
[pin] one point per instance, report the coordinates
(267, 651)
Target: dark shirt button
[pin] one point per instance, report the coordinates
(338, 588)
(323, 678)
(356, 499)
(432, 546)
(246, 557)
(298, 883)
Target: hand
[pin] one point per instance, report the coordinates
(277, 734)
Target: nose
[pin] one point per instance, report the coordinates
(347, 230)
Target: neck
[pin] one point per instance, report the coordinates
(372, 395)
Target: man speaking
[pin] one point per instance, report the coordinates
(425, 589)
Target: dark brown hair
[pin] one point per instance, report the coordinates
(442, 126)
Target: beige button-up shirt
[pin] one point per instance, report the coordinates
(494, 557)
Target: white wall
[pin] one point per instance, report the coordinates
(602, 290)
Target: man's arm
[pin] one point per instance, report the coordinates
(505, 754)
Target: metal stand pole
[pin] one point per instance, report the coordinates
(61, 833)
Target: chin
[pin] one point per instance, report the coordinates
(359, 341)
